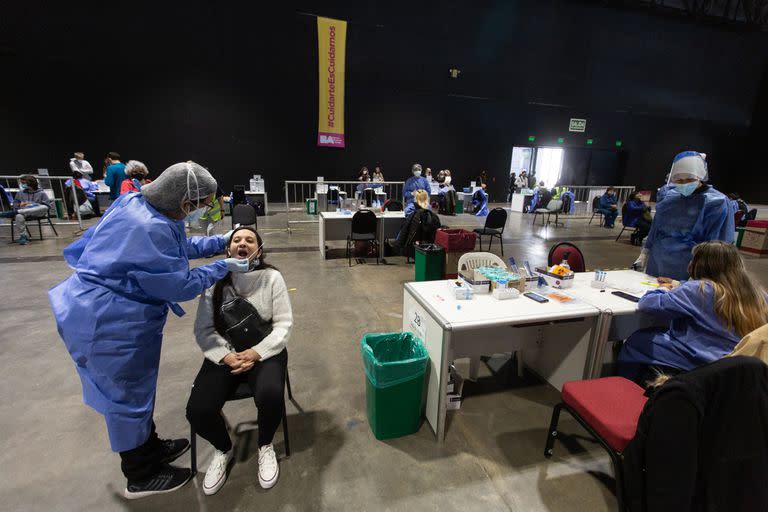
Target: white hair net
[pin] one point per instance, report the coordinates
(181, 181)
(689, 164)
(134, 167)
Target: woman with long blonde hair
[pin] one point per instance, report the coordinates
(707, 316)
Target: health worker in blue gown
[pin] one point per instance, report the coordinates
(412, 184)
(480, 201)
(129, 270)
(690, 213)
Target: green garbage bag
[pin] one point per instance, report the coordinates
(394, 364)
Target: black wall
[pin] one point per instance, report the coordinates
(235, 88)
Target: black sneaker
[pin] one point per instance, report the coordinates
(173, 449)
(166, 480)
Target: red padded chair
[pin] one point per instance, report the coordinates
(608, 409)
(567, 251)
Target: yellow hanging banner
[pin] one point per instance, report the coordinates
(331, 44)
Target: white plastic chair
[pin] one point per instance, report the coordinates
(472, 260)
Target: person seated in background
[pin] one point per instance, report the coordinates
(707, 315)
(79, 164)
(89, 189)
(29, 203)
(420, 225)
(136, 173)
(480, 201)
(638, 215)
(482, 179)
(609, 207)
(543, 196)
(115, 174)
(428, 174)
(446, 198)
(738, 205)
(447, 178)
(364, 175)
(378, 175)
(226, 364)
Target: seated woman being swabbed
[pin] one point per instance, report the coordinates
(242, 326)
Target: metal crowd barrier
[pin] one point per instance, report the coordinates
(297, 192)
(56, 190)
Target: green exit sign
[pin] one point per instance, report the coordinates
(531, 138)
(590, 142)
(560, 140)
(618, 143)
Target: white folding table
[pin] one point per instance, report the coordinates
(556, 337)
(337, 226)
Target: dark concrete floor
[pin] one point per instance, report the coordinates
(55, 452)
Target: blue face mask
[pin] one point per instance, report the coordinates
(24, 186)
(687, 189)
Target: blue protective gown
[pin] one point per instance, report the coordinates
(481, 206)
(129, 270)
(695, 336)
(662, 192)
(413, 184)
(681, 223)
(572, 197)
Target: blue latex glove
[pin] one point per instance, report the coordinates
(236, 265)
(228, 234)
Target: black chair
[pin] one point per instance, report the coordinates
(569, 252)
(244, 214)
(238, 195)
(39, 220)
(242, 392)
(332, 198)
(494, 227)
(363, 229)
(554, 207)
(595, 208)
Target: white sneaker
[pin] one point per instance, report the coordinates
(268, 468)
(217, 472)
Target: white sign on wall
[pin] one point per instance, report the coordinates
(577, 125)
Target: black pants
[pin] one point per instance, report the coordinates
(215, 384)
(143, 461)
(643, 228)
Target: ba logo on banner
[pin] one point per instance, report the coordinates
(330, 139)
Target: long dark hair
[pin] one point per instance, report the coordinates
(218, 288)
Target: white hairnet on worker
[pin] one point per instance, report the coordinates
(134, 168)
(689, 165)
(179, 182)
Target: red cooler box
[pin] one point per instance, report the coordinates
(456, 242)
(755, 239)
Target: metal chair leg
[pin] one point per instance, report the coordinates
(52, 227)
(286, 439)
(618, 475)
(193, 450)
(552, 433)
(288, 384)
(623, 227)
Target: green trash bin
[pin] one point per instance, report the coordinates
(459, 207)
(394, 365)
(311, 206)
(430, 262)
(59, 208)
(739, 235)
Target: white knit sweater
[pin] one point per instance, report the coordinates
(266, 291)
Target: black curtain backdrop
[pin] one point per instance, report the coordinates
(234, 87)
